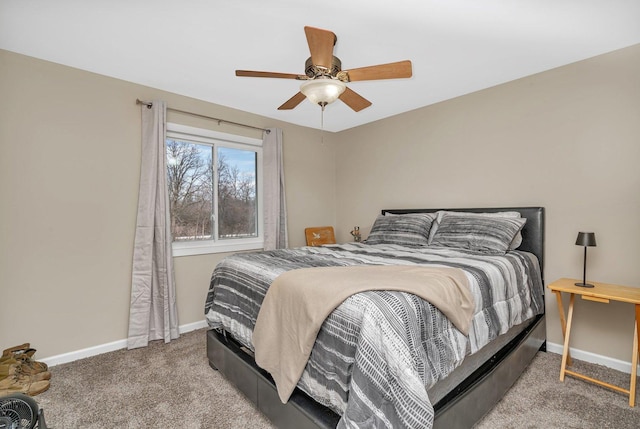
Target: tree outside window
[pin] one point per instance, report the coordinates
(192, 181)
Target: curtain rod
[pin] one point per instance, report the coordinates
(149, 104)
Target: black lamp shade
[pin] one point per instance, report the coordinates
(586, 239)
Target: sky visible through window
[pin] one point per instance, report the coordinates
(243, 159)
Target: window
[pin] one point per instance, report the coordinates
(215, 194)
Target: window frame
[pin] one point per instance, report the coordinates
(218, 139)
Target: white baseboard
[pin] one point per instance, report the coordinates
(109, 347)
(616, 364)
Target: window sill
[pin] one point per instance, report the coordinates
(207, 247)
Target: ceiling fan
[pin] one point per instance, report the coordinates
(325, 81)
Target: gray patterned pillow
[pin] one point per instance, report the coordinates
(490, 235)
(406, 230)
(517, 240)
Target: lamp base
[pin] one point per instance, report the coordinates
(584, 284)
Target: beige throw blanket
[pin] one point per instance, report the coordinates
(298, 302)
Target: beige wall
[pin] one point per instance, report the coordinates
(69, 170)
(567, 139)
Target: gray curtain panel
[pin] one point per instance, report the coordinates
(275, 206)
(153, 313)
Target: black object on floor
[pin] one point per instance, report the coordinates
(19, 411)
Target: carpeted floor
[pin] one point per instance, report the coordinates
(172, 386)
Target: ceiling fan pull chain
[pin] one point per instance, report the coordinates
(322, 123)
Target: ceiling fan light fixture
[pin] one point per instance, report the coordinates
(322, 91)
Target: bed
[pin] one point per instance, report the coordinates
(341, 385)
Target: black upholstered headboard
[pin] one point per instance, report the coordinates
(532, 232)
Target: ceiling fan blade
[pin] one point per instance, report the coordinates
(250, 73)
(383, 71)
(292, 102)
(354, 100)
(321, 46)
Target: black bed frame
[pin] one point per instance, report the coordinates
(461, 408)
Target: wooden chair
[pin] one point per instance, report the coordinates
(319, 235)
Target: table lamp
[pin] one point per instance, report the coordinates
(586, 239)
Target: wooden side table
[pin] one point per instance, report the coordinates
(604, 293)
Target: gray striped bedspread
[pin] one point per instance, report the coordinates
(379, 352)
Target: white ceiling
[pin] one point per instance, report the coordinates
(193, 47)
